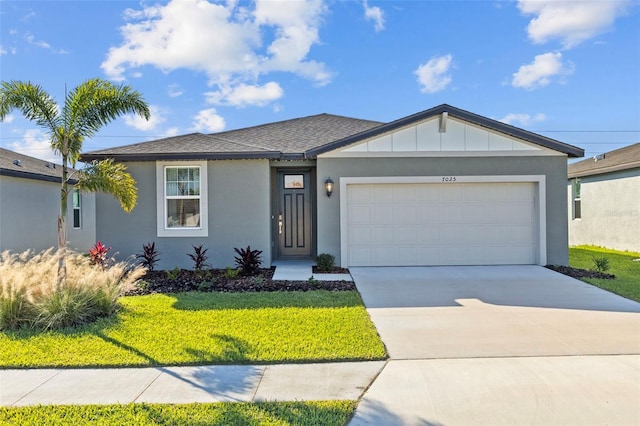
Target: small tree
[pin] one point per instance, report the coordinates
(86, 109)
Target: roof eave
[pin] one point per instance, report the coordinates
(34, 176)
(604, 170)
(268, 155)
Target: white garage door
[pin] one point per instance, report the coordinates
(441, 224)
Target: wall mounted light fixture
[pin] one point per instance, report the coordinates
(328, 185)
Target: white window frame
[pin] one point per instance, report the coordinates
(75, 192)
(161, 208)
(576, 199)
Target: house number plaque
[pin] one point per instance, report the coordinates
(448, 178)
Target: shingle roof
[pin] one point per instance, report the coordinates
(20, 165)
(289, 138)
(299, 138)
(620, 159)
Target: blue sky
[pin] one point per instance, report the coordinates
(569, 70)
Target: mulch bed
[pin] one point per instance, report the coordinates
(580, 273)
(215, 280)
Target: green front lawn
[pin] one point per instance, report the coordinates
(228, 414)
(622, 265)
(207, 328)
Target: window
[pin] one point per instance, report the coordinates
(182, 204)
(75, 195)
(576, 197)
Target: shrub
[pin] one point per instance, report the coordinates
(325, 262)
(149, 256)
(199, 257)
(601, 264)
(98, 255)
(32, 298)
(248, 261)
(173, 274)
(231, 273)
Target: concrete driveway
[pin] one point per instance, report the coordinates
(499, 345)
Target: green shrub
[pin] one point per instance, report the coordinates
(31, 296)
(173, 274)
(601, 264)
(325, 262)
(231, 273)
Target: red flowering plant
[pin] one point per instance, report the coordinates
(98, 255)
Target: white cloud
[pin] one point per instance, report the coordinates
(522, 119)
(232, 45)
(139, 123)
(43, 44)
(572, 22)
(244, 95)
(171, 131)
(35, 143)
(208, 120)
(40, 43)
(174, 90)
(8, 118)
(434, 75)
(375, 14)
(539, 73)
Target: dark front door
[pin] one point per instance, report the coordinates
(294, 214)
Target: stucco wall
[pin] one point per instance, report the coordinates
(238, 215)
(610, 211)
(29, 216)
(553, 167)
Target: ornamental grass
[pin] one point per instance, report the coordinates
(31, 297)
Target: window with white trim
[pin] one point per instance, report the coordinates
(182, 200)
(77, 208)
(576, 198)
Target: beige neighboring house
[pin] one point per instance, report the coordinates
(604, 200)
(30, 204)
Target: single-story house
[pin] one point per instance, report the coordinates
(30, 205)
(440, 187)
(604, 200)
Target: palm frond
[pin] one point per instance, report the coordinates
(112, 178)
(32, 101)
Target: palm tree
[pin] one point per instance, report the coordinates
(86, 109)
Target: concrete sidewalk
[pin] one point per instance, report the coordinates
(220, 383)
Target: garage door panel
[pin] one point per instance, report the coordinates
(360, 235)
(360, 214)
(450, 213)
(441, 224)
(405, 214)
(382, 214)
(359, 194)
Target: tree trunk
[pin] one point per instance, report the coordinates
(62, 225)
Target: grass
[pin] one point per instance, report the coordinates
(621, 264)
(207, 328)
(229, 414)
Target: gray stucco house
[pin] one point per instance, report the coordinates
(440, 187)
(30, 204)
(604, 200)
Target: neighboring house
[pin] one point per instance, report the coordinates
(440, 187)
(604, 200)
(30, 205)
